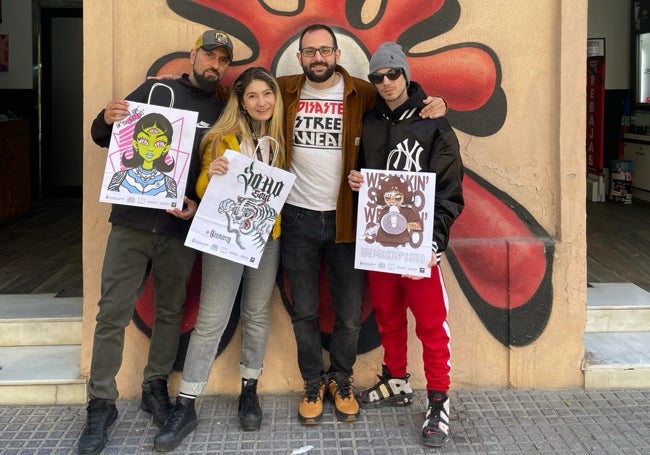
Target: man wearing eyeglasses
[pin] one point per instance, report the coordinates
(324, 107)
(427, 145)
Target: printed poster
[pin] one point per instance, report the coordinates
(149, 157)
(395, 222)
(236, 215)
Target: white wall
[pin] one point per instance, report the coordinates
(610, 19)
(17, 23)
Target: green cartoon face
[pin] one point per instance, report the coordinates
(151, 143)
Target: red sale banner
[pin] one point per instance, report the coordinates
(595, 113)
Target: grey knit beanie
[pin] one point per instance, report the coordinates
(390, 55)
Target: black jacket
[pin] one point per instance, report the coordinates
(188, 97)
(401, 140)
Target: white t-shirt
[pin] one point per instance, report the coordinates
(316, 160)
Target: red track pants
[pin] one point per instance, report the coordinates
(427, 298)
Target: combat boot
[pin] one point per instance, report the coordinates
(157, 401)
(101, 415)
(181, 423)
(250, 411)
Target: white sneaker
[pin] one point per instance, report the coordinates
(435, 430)
(389, 391)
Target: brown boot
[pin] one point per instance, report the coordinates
(346, 405)
(310, 411)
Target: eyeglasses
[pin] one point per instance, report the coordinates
(325, 51)
(392, 74)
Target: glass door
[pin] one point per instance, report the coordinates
(643, 68)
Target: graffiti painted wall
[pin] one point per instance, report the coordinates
(513, 79)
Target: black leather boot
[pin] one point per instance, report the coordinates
(181, 423)
(101, 415)
(157, 401)
(250, 411)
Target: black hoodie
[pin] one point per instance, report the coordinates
(188, 97)
(401, 140)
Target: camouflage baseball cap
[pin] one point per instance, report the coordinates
(212, 39)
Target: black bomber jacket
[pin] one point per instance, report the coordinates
(402, 140)
(188, 97)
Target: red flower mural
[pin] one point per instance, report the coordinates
(501, 256)
(466, 74)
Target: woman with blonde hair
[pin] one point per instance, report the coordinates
(251, 123)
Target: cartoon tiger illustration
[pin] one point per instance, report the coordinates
(249, 217)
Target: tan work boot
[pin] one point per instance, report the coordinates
(346, 405)
(310, 411)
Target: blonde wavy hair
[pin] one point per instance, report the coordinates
(234, 120)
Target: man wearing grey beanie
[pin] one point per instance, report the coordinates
(395, 137)
(390, 55)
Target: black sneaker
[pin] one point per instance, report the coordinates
(388, 391)
(182, 422)
(435, 430)
(101, 415)
(157, 401)
(250, 411)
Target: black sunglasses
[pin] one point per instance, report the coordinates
(392, 74)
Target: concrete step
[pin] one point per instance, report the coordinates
(617, 360)
(39, 319)
(617, 307)
(41, 375)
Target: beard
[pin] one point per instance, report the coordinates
(312, 76)
(206, 83)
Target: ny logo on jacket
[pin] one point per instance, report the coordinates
(405, 157)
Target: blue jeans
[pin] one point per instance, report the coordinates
(306, 235)
(128, 253)
(219, 285)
